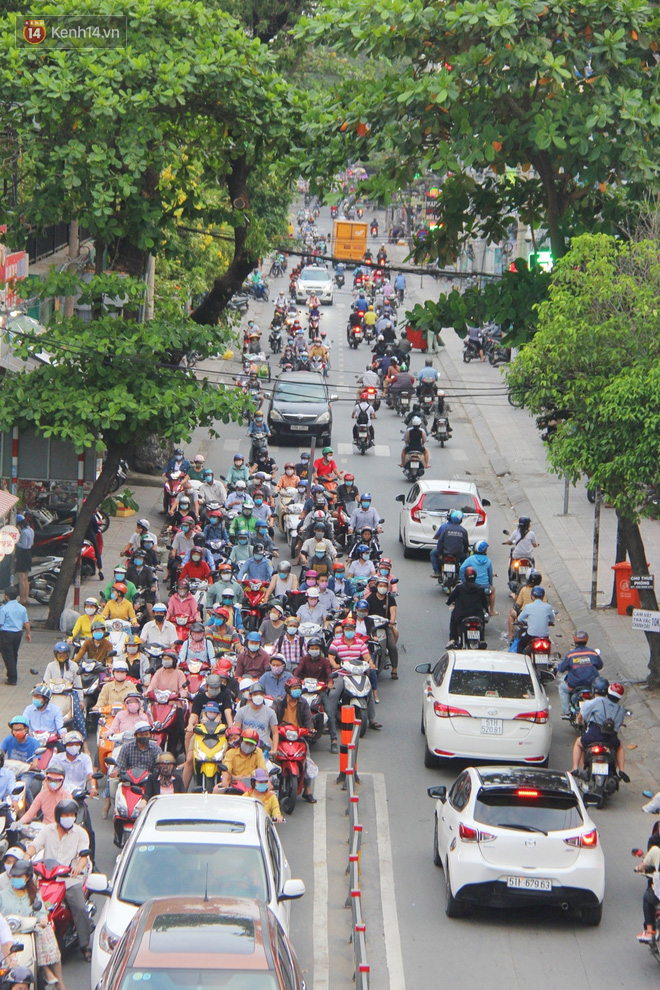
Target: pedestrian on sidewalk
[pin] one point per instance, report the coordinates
(13, 623)
(23, 557)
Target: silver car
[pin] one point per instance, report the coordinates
(315, 280)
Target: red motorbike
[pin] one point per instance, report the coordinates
(171, 488)
(197, 672)
(291, 757)
(164, 710)
(254, 604)
(49, 743)
(129, 792)
(183, 623)
(88, 557)
(51, 877)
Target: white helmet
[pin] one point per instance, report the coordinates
(416, 421)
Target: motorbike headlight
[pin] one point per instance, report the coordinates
(324, 418)
(120, 804)
(14, 924)
(108, 940)
(275, 416)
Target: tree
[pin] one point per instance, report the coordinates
(522, 109)
(108, 384)
(595, 362)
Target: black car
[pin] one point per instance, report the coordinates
(300, 408)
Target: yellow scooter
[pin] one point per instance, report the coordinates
(208, 753)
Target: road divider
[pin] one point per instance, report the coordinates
(350, 736)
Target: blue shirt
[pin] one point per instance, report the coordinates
(48, 719)
(13, 617)
(177, 465)
(26, 539)
(274, 686)
(598, 709)
(581, 666)
(255, 427)
(483, 567)
(255, 570)
(15, 750)
(427, 373)
(400, 281)
(539, 616)
(7, 783)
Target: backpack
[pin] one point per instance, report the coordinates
(362, 417)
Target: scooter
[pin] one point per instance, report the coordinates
(362, 440)
(275, 340)
(130, 791)
(414, 465)
(355, 336)
(519, 571)
(471, 348)
(52, 877)
(61, 695)
(164, 709)
(378, 642)
(291, 758)
(449, 572)
(197, 672)
(41, 580)
(208, 754)
(312, 692)
(23, 928)
(49, 744)
(440, 429)
(20, 800)
(254, 605)
(357, 687)
(599, 776)
(171, 488)
(471, 632)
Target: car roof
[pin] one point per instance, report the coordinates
(514, 777)
(489, 660)
(234, 929)
(224, 818)
(300, 376)
(448, 486)
(313, 269)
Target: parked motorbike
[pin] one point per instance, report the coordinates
(494, 350)
(41, 580)
(356, 689)
(239, 303)
(472, 347)
(291, 758)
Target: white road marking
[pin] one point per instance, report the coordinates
(380, 450)
(457, 454)
(344, 448)
(320, 853)
(231, 444)
(391, 935)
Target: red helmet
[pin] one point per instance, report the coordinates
(294, 682)
(470, 574)
(616, 690)
(120, 586)
(223, 667)
(349, 477)
(385, 562)
(224, 567)
(251, 735)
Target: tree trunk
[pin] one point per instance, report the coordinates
(633, 541)
(99, 491)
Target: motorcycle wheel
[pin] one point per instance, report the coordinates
(467, 357)
(288, 794)
(364, 723)
(87, 569)
(105, 520)
(43, 593)
(491, 358)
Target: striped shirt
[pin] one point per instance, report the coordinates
(351, 650)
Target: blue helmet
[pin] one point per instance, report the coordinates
(456, 516)
(600, 685)
(481, 546)
(362, 604)
(365, 497)
(538, 592)
(362, 548)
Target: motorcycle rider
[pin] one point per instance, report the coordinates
(651, 866)
(428, 373)
(523, 540)
(258, 716)
(182, 602)
(364, 515)
(115, 690)
(468, 598)
(261, 789)
(45, 803)
(381, 602)
(274, 681)
(475, 341)
(452, 538)
(289, 479)
(581, 666)
(319, 350)
(539, 616)
(256, 567)
(400, 285)
(484, 568)
(83, 625)
(415, 441)
(159, 631)
(292, 709)
(211, 488)
(523, 598)
(214, 691)
(603, 717)
(65, 842)
(350, 647)
(242, 761)
(143, 578)
(303, 466)
(363, 413)
(177, 462)
(238, 471)
(325, 467)
(312, 610)
(347, 491)
(42, 715)
(253, 661)
(282, 581)
(97, 647)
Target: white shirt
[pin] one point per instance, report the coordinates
(524, 547)
(5, 932)
(136, 537)
(166, 636)
(364, 407)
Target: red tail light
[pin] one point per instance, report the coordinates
(527, 792)
(588, 840)
(469, 834)
(446, 711)
(597, 749)
(481, 515)
(416, 509)
(541, 646)
(540, 717)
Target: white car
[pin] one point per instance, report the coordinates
(484, 705)
(427, 506)
(220, 844)
(511, 836)
(315, 280)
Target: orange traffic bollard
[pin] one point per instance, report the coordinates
(346, 722)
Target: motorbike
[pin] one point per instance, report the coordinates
(313, 691)
(340, 280)
(362, 440)
(43, 575)
(275, 340)
(599, 776)
(539, 650)
(334, 210)
(183, 624)
(519, 570)
(344, 513)
(49, 538)
(472, 347)
(449, 572)
(208, 754)
(197, 671)
(414, 465)
(239, 303)
(471, 632)
(88, 557)
(258, 290)
(105, 743)
(356, 689)
(198, 589)
(51, 877)
(130, 791)
(378, 642)
(374, 230)
(24, 930)
(291, 757)
(402, 402)
(577, 697)
(164, 710)
(20, 800)
(62, 697)
(63, 508)
(495, 351)
(172, 485)
(92, 676)
(49, 743)
(254, 605)
(355, 336)
(440, 428)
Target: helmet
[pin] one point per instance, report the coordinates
(350, 478)
(221, 611)
(456, 516)
(362, 604)
(62, 647)
(19, 974)
(224, 566)
(327, 450)
(223, 667)
(147, 540)
(616, 690)
(133, 641)
(56, 767)
(19, 720)
(580, 636)
(524, 521)
(470, 574)
(538, 592)
(233, 732)
(601, 685)
(293, 682)
(481, 546)
(197, 627)
(365, 496)
(73, 737)
(182, 583)
(68, 807)
(189, 520)
(316, 641)
(92, 601)
(284, 565)
(213, 681)
(166, 758)
(362, 548)
(100, 624)
(238, 457)
(416, 421)
(385, 562)
(41, 691)
(184, 502)
(178, 451)
(141, 727)
(22, 868)
(120, 586)
(120, 665)
(16, 852)
(429, 362)
(251, 734)
(535, 578)
(160, 607)
(259, 775)
(240, 485)
(289, 464)
(199, 459)
(119, 569)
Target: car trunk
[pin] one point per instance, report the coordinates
(491, 716)
(530, 829)
(435, 509)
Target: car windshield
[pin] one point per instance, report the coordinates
(448, 501)
(314, 275)
(538, 812)
(198, 979)
(299, 392)
(491, 684)
(164, 869)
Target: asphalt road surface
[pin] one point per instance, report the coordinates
(410, 940)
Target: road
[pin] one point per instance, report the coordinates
(410, 940)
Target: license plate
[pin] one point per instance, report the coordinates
(491, 726)
(303, 428)
(602, 769)
(473, 634)
(529, 883)
(449, 568)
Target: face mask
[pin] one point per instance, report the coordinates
(253, 647)
(258, 700)
(365, 505)
(277, 668)
(133, 707)
(159, 617)
(141, 741)
(323, 585)
(73, 750)
(362, 615)
(258, 556)
(132, 650)
(20, 735)
(382, 589)
(120, 675)
(18, 883)
(242, 540)
(385, 573)
(185, 529)
(120, 577)
(38, 702)
(168, 663)
(291, 630)
(248, 748)
(90, 611)
(227, 577)
(339, 576)
(97, 634)
(349, 633)
(213, 692)
(275, 616)
(296, 692)
(283, 574)
(314, 652)
(54, 785)
(196, 557)
(288, 471)
(261, 786)
(319, 553)
(67, 822)
(219, 622)
(365, 556)
(258, 501)
(165, 771)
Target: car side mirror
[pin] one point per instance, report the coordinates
(400, 498)
(423, 668)
(485, 501)
(98, 884)
(291, 890)
(333, 398)
(438, 792)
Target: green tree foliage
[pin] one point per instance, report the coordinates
(595, 360)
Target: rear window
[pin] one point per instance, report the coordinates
(447, 502)
(199, 825)
(308, 392)
(314, 275)
(545, 813)
(194, 933)
(491, 684)
(194, 978)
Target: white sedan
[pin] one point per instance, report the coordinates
(315, 280)
(427, 506)
(513, 836)
(484, 705)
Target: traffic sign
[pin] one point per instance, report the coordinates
(646, 620)
(643, 581)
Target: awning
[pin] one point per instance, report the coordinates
(7, 502)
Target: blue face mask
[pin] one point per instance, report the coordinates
(258, 556)
(38, 702)
(97, 634)
(258, 501)
(185, 529)
(138, 563)
(18, 883)
(296, 692)
(349, 633)
(261, 786)
(319, 553)
(219, 622)
(366, 505)
(242, 540)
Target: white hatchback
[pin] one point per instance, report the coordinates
(484, 705)
(514, 836)
(427, 506)
(222, 845)
(315, 279)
